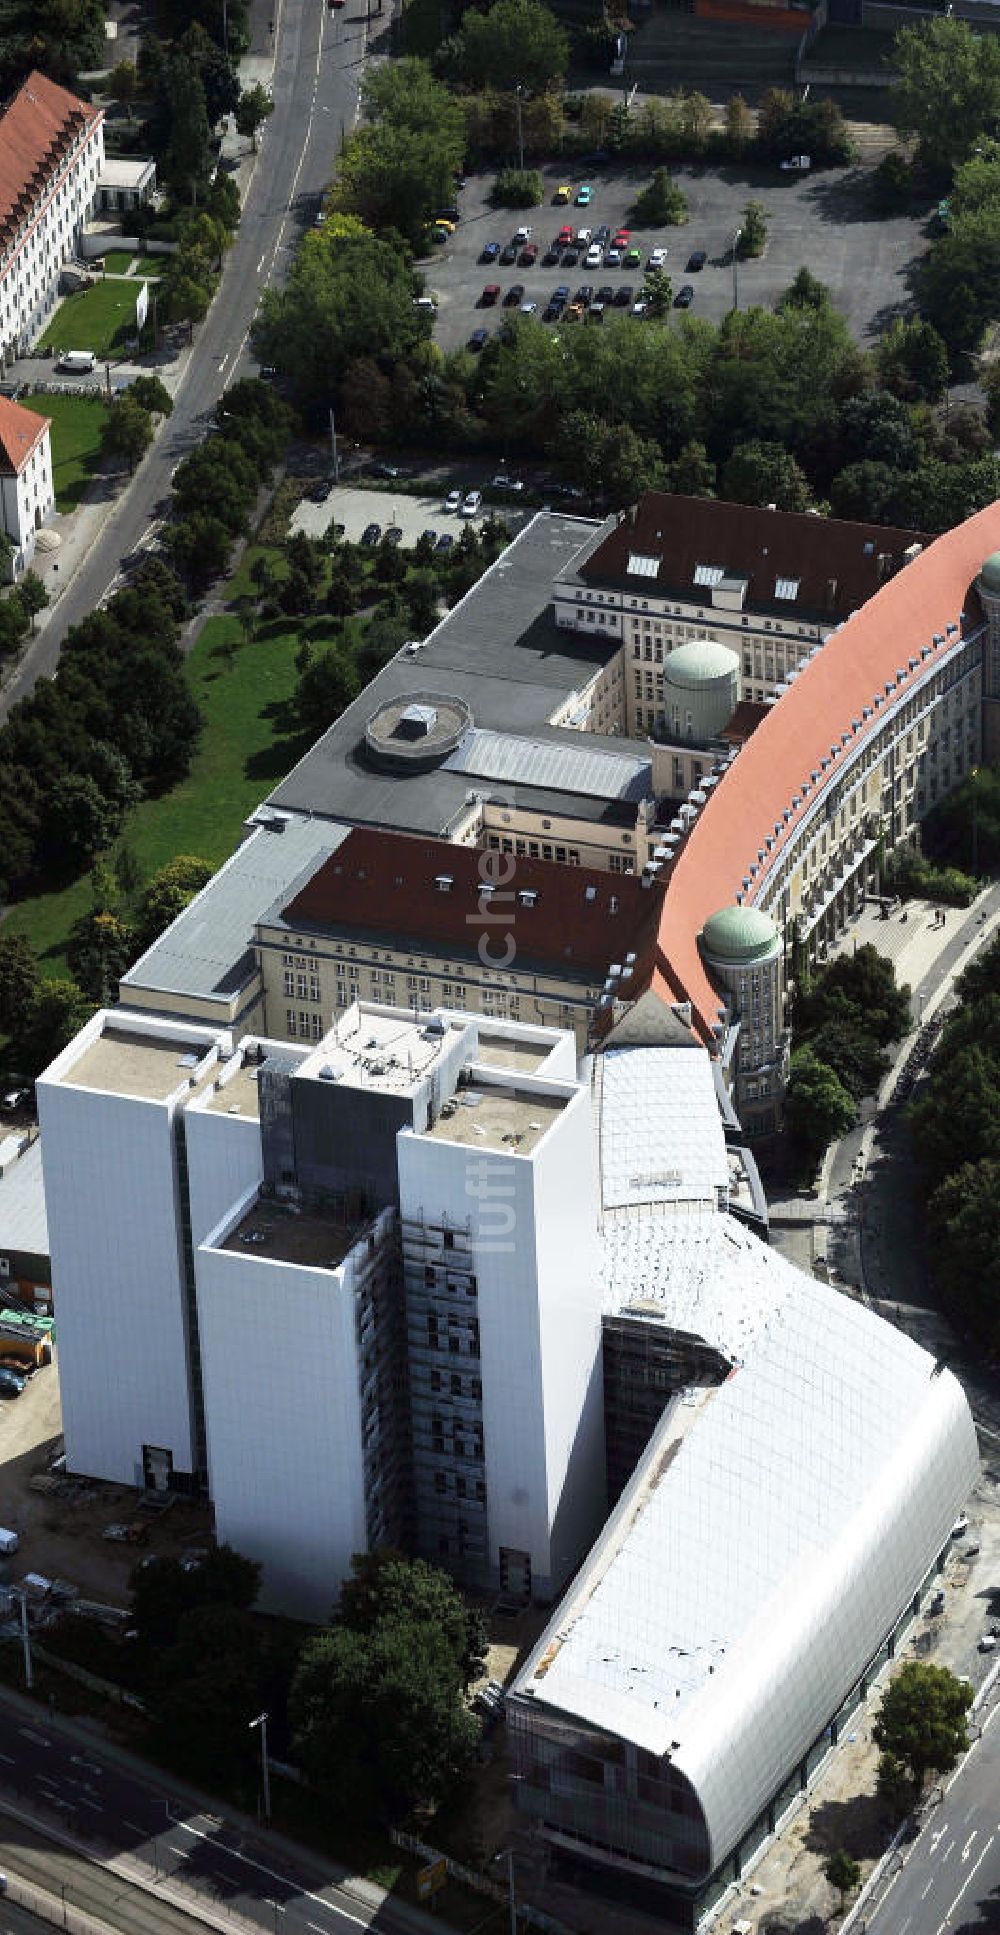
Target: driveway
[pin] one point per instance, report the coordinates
(821, 221)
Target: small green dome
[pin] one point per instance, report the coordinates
(739, 935)
(699, 663)
(989, 575)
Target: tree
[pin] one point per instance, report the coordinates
(658, 292)
(347, 297)
(843, 1873)
(205, 1687)
(168, 894)
(152, 395)
(859, 987)
(58, 1012)
(122, 83)
(517, 188)
(661, 202)
(965, 1243)
(187, 163)
(818, 1107)
(518, 39)
(78, 822)
(306, 556)
(255, 104)
(18, 982)
(692, 473)
(14, 621)
(913, 361)
(922, 1720)
(200, 547)
(948, 93)
(752, 236)
(100, 948)
(164, 1591)
(959, 279)
(33, 595)
(739, 124)
(765, 473)
(805, 291)
(324, 690)
(387, 1586)
(894, 1786)
(127, 431)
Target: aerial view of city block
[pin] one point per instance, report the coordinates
(499, 966)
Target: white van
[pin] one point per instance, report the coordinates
(9, 1541)
(79, 362)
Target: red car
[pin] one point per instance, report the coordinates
(490, 295)
(565, 236)
(622, 238)
(528, 256)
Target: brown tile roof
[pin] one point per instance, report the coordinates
(36, 131)
(837, 565)
(20, 431)
(576, 922)
(745, 720)
(833, 690)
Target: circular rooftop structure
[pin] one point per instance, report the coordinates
(738, 936)
(416, 731)
(989, 575)
(702, 662)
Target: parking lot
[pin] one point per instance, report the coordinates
(821, 221)
(411, 514)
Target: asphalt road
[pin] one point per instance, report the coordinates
(92, 1803)
(950, 1878)
(315, 91)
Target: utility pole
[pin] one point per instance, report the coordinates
(225, 28)
(507, 1854)
(333, 440)
(29, 1676)
(265, 1778)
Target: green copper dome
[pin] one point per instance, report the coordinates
(990, 574)
(738, 936)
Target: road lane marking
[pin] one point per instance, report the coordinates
(923, 1892)
(182, 1852)
(9, 1758)
(136, 1829)
(306, 1894)
(945, 1852)
(26, 1732)
(965, 1850)
(968, 1879)
(96, 1805)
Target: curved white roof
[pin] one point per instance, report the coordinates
(773, 1532)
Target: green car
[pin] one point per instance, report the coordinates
(632, 259)
(584, 196)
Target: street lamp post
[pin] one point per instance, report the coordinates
(278, 1910)
(507, 1854)
(736, 264)
(265, 1778)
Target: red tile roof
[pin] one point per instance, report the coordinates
(835, 565)
(833, 689)
(37, 129)
(20, 431)
(578, 922)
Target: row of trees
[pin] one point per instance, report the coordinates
(63, 37)
(956, 1129)
(845, 1017)
(215, 489)
(399, 168)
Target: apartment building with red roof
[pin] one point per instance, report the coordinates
(51, 155)
(26, 493)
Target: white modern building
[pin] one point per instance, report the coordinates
(320, 1284)
(51, 156)
(27, 497)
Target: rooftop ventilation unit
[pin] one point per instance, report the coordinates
(951, 630)
(527, 896)
(925, 651)
(444, 882)
(939, 638)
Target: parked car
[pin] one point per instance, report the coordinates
(16, 1098)
(988, 1643)
(490, 295)
(656, 259)
(602, 234)
(449, 215)
(605, 293)
(391, 471)
(529, 255)
(571, 257)
(584, 238)
(696, 261)
(479, 339)
(574, 310)
(472, 503)
(445, 541)
(502, 482)
(371, 534)
(514, 294)
(960, 1526)
(490, 252)
(522, 235)
(563, 194)
(448, 223)
(394, 534)
(552, 312)
(11, 1385)
(551, 258)
(685, 296)
(633, 258)
(596, 312)
(561, 294)
(428, 536)
(565, 235)
(936, 1602)
(796, 165)
(623, 295)
(584, 195)
(318, 493)
(622, 238)
(585, 293)
(508, 256)
(594, 257)
(453, 501)
(529, 308)
(613, 259)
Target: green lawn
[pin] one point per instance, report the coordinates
(97, 319)
(76, 436)
(151, 265)
(243, 752)
(118, 261)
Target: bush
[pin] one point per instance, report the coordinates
(662, 203)
(518, 188)
(914, 877)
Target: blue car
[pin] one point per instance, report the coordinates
(490, 252)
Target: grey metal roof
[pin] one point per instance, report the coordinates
(500, 651)
(205, 951)
(23, 1223)
(569, 765)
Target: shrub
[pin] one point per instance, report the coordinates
(518, 188)
(662, 203)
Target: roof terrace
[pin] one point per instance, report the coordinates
(283, 1232)
(122, 1061)
(508, 1120)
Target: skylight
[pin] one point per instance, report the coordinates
(640, 565)
(786, 587)
(709, 574)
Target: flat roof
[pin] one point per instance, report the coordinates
(507, 1120)
(239, 1095)
(206, 952)
(123, 1061)
(501, 652)
(23, 1222)
(503, 1051)
(388, 1049)
(316, 1239)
